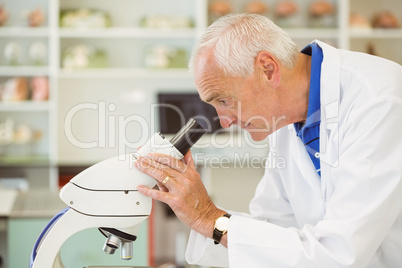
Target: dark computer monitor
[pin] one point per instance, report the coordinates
(175, 109)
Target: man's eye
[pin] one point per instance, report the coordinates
(224, 102)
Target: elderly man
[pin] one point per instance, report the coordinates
(334, 115)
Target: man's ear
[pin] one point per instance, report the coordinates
(269, 66)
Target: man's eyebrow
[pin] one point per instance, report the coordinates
(210, 98)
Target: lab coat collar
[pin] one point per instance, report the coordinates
(330, 96)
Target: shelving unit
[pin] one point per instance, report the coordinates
(24, 70)
(34, 161)
(127, 33)
(125, 43)
(112, 73)
(24, 32)
(25, 106)
(376, 34)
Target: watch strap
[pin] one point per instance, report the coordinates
(217, 234)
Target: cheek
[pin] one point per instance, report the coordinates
(249, 113)
(224, 111)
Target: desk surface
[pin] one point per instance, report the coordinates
(37, 204)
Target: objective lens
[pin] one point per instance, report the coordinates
(126, 251)
(112, 243)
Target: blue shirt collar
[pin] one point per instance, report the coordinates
(309, 132)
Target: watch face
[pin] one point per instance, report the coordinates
(222, 223)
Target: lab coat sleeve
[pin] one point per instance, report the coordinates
(365, 203)
(269, 202)
(203, 251)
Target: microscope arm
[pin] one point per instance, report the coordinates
(67, 225)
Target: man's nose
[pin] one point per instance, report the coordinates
(226, 121)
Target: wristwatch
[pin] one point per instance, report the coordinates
(221, 227)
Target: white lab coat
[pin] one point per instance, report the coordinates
(351, 216)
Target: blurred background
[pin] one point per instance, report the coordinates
(83, 80)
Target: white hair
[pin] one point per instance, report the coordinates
(237, 39)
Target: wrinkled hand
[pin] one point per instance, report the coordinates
(184, 191)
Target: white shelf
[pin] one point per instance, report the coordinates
(33, 160)
(127, 33)
(24, 32)
(24, 70)
(24, 106)
(376, 33)
(308, 33)
(125, 73)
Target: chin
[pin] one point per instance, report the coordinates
(258, 135)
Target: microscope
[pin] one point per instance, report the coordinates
(105, 196)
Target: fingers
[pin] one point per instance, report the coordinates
(162, 196)
(169, 161)
(162, 187)
(158, 171)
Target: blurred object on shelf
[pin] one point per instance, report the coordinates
(162, 56)
(166, 22)
(285, 11)
(37, 53)
(85, 18)
(322, 14)
(39, 88)
(358, 21)
(22, 134)
(256, 7)
(16, 138)
(286, 8)
(321, 8)
(83, 56)
(219, 8)
(371, 49)
(20, 89)
(6, 132)
(14, 89)
(3, 16)
(36, 18)
(12, 53)
(385, 19)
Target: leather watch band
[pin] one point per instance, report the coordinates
(217, 234)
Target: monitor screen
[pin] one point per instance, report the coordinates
(175, 109)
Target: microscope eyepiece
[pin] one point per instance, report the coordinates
(187, 136)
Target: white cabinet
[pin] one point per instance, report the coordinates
(26, 126)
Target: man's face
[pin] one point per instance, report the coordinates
(248, 103)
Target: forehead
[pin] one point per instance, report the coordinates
(209, 79)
